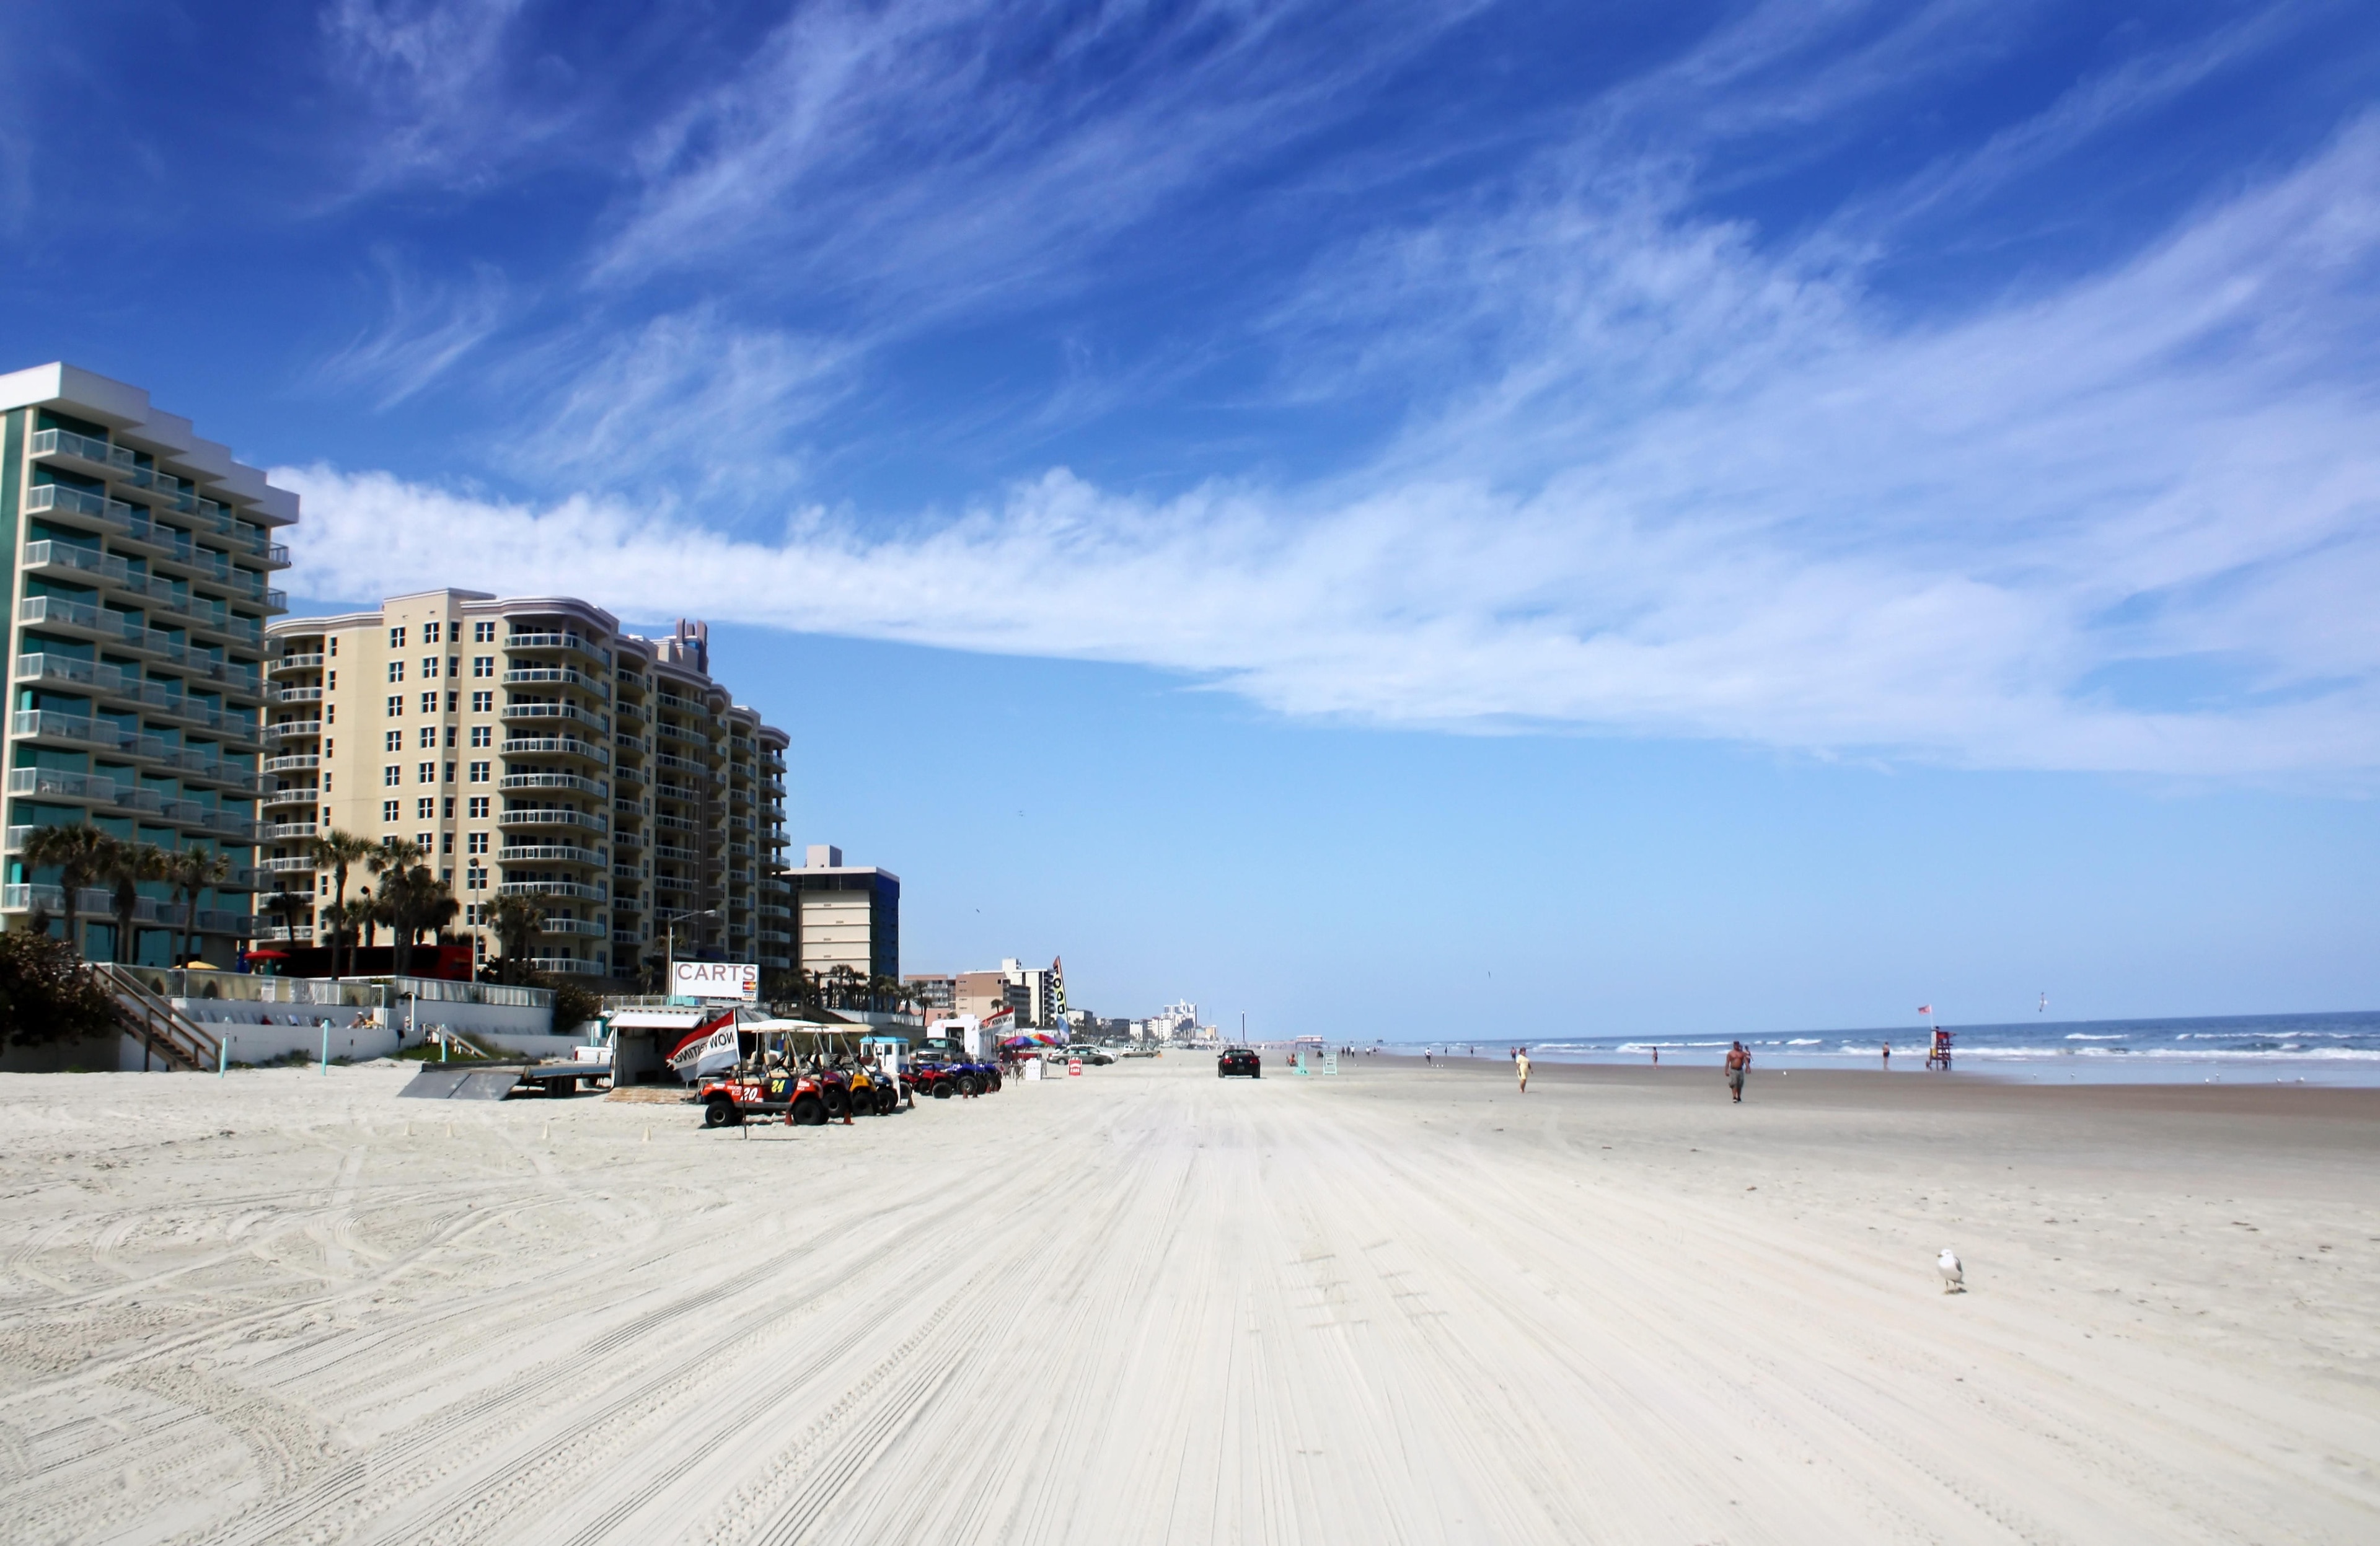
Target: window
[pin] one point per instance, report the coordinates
(396, 638)
(476, 843)
(395, 704)
(326, 777)
(391, 776)
(426, 773)
(446, 845)
(388, 810)
(425, 810)
(483, 665)
(478, 807)
(396, 740)
(396, 670)
(453, 699)
(474, 879)
(450, 773)
(454, 665)
(450, 735)
(483, 703)
(429, 668)
(483, 633)
(450, 799)
(334, 646)
(483, 735)
(430, 702)
(331, 682)
(428, 737)
(423, 839)
(479, 772)
(429, 633)
(446, 876)
(330, 713)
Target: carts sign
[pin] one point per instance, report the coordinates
(715, 979)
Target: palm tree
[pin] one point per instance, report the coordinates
(289, 904)
(129, 864)
(391, 860)
(81, 853)
(191, 870)
(418, 902)
(341, 851)
(515, 920)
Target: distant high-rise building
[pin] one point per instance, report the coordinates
(844, 915)
(140, 559)
(531, 748)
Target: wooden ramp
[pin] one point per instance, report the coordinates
(435, 1083)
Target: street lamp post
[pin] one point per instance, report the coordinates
(669, 968)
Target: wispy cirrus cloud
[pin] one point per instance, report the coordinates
(425, 328)
(1677, 485)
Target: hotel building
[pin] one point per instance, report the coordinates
(845, 916)
(140, 559)
(533, 749)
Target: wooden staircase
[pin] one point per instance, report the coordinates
(169, 1034)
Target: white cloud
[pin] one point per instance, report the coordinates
(1656, 482)
(425, 329)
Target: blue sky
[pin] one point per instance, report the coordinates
(1723, 514)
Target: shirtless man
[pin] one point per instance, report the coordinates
(1520, 1061)
(1737, 1061)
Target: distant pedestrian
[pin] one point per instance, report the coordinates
(1522, 1063)
(1888, 1057)
(1738, 1060)
(1424, 1060)
(1657, 1056)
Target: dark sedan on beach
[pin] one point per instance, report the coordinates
(1239, 1060)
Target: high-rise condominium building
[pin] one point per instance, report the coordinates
(532, 749)
(846, 917)
(140, 559)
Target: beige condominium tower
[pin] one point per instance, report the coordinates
(140, 559)
(533, 749)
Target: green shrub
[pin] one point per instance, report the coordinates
(46, 994)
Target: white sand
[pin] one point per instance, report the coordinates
(1150, 1304)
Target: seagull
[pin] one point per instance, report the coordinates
(1954, 1276)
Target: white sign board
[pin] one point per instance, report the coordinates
(715, 980)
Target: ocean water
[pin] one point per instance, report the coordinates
(2340, 1048)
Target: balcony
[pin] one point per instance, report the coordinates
(294, 694)
(297, 762)
(585, 928)
(570, 889)
(549, 853)
(550, 713)
(682, 765)
(56, 499)
(296, 662)
(286, 933)
(287, 863)
(552, 816)
(676, 824)
(571, 642)
(293, 730)
(773, 936)
(58, 783)
(554, 781)
(304, 794)
(94, 457)
(626, 937)
(627, 775)
(288, 832)
(558, 676)
(779, 963)
(567, 966)
(91, 902)
(625, 840)
(554, 745)
(676, 855)
(48, 724)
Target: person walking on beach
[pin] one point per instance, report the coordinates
(1520, 1062)
(1737, 1061)
(1888, 1057)
(1424, 1060)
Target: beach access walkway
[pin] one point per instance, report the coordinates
(1148, 1305)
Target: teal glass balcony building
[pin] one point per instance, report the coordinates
(141, 561)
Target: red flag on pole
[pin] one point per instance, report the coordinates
(1925, 1009)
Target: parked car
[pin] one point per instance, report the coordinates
(1239, 1060)
(1098, 1056)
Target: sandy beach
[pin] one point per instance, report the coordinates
(1148, 1305)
